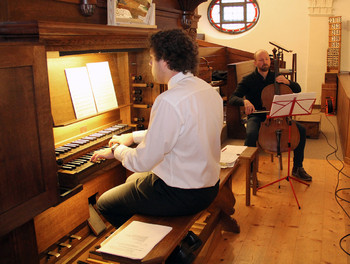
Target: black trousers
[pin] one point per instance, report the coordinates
(147, 194)
(253, 126)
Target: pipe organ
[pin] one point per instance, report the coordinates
(48, 146)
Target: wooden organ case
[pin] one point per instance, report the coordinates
(46, 186)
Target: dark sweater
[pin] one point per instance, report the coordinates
(251, 87)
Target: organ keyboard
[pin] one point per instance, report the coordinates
(73, 158)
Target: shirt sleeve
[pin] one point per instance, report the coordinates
(295, 87)
(236, 97)
(162, 134)
(138, 136)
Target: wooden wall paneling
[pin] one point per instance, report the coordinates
(216, 57)
(50, 10)
(236, 55)
(343, 115)
(19, 246)
(168, 12)
(120, 76)
(167, 4)
(167, 18)
(28, 181)
(72, 37)
(62, 218)
(203, 43)
(219, 56)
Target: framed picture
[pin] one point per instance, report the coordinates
(131, 13)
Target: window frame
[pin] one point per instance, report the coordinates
(247, 24)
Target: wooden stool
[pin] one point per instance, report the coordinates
(312, 124)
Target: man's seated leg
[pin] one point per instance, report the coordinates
(253, 127)
(146, 193)
(298, 170)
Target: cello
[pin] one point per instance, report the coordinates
(277, 134)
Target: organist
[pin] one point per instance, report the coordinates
(181, 147)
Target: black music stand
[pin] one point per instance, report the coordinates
(290, 105)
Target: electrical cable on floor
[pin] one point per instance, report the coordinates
(340, 172)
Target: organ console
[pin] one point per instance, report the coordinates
(49, 147)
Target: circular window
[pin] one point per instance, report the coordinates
(233, 16)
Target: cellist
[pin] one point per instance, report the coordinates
(248, 94)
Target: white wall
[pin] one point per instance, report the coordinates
(342, 8)
(289, 24)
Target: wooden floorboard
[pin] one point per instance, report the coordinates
(274, 230)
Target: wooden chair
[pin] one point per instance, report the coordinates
(291, 74)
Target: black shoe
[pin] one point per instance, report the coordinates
(192, 241)
(300, 173)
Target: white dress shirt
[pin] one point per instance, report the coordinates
(182, 143)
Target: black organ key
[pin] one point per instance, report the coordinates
(76, 163)
(83, 161)
(68, 167)
(86, 157)
(63, 149)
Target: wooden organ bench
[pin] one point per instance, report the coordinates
(204, 224)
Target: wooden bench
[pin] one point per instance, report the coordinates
(312, 124)
(220, 211)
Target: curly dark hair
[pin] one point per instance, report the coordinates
(177, 48)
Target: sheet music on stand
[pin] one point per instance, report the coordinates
(91, 89)
(292, 104)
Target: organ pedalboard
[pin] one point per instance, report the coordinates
(74, 158)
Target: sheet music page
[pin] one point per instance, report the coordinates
(304, 103)
(230, 154)
(102, 86)
(80, 91)
(135, 241)
(282, 104)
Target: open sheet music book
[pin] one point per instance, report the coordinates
(230, 154)
(135, 241)
(91, 89)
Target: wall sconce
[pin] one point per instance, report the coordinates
(186, 20)
(86, 8)
(188, 7)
